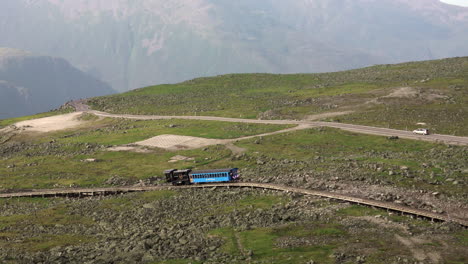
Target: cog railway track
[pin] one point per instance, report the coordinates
(84, 192)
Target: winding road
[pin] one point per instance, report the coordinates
(81, 106)
(447, 139)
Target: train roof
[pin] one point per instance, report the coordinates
(213, 171)
(174, 170)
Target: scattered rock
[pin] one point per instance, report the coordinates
(90, 160)
(117, 181)
(180, 158)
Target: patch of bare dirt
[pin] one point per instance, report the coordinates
(414, 245)
(131, 148)
(235, 149)
(180, 158)
(385, 223)
(175, 142)
(408, 92)
(403, 92)
(52, 123)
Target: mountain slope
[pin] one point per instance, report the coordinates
(31, 84)
(133, 44)
(397, 96)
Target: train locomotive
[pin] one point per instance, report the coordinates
(184, 177)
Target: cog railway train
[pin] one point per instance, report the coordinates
(183, 177)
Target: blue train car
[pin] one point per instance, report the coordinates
(218, 175)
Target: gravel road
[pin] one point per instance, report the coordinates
(447, 139)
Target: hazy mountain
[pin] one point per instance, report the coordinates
(134, 43)
(31, 83)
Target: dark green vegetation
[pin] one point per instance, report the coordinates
(156, 227)
(396, 96)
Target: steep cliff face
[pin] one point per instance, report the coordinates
(31, 84)
(131, 44)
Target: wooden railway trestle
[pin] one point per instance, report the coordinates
(83, 192)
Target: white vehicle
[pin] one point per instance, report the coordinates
(421, 131)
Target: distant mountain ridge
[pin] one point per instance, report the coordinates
(30, 83)
(131, 44)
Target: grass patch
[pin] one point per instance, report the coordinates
(306, 230)
(328, 142)
(463, 237)
(252, 202)
(88, 117)
(230, 245)
(46, 217)
(63, 170)
(157, 195)
(261, 202)
(26, 200)
(118, 132)
(261, 242)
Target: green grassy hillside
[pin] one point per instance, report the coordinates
(396, 96)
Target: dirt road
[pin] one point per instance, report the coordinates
(447, 139)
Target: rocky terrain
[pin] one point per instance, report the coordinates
(216, 226)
